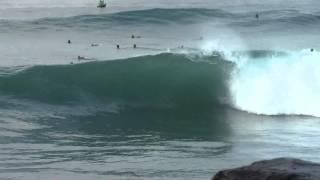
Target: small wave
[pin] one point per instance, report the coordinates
(279, 19)
(139, 17)
(9, 4)
(127, 18)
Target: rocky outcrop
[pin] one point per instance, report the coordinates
(275, 169)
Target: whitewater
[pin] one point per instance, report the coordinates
(208, 86)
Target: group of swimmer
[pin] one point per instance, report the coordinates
(134, 45)
(132, 37)
(95, 45)
(257, 16)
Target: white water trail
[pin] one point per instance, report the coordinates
(272, 83)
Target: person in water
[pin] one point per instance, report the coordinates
(257, 16)
(311, 49)
(118, 46)
(135, 37)
(85, 58)
(69, 41)
(134, 46)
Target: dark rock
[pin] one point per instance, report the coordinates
(275, 169)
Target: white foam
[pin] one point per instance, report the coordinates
(278, 85)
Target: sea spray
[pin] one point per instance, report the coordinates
(278, 84)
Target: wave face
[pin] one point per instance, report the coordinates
(161, 80)
(260, 82)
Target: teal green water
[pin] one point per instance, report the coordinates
(165, 116)
(144, 143)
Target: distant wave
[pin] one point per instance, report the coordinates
(139, 17)
(280, 19)
(8, 4)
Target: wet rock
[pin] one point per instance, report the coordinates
(275, 169)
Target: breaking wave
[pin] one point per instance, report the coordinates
(260, 82)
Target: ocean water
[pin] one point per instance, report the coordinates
(208, 87)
